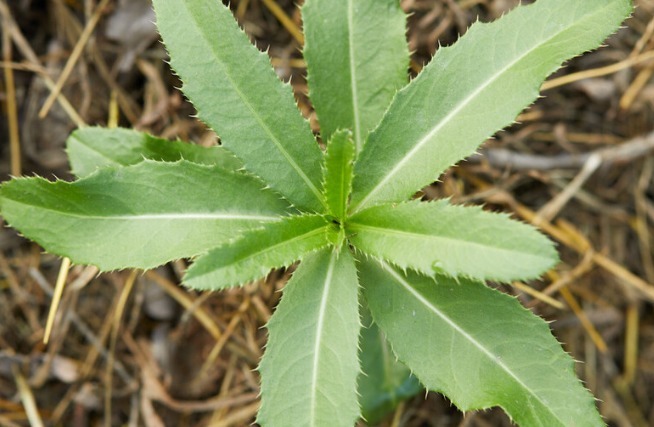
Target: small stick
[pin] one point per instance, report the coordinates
(185, 300)
(621, 153)
(285, 20)
(72, 59)
(27, 397)
(12, 113)
(643, 77)
(118, 314)
(540, 296)
(631, 344)
(24, 47)
(597, 72)
(585, 321)
(56, 298)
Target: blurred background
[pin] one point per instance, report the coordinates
(134, 348)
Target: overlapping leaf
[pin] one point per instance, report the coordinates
(455, 240)
(472, 89)
(237, 93)
(384, 381)
(357, 58)
(92, 148)
(478, 346)
(257, 252)
(309, 369)
(138, 216)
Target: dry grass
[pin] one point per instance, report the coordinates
(132, 348)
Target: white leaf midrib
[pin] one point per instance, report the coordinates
(237, 261)
(158, 216)
(452, 114)
(258, 118)
(353, 76)
(445, 239)
(298, 238)
(317, 344)
(479, 345)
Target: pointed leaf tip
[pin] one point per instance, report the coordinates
(256, 252)
(337, 180)
(472, 89)
(138, 216)
(478, 346)
(438, 237)
(237, 93)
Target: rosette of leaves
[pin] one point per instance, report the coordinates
(270, 196)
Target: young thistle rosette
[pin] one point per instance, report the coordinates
(269, 197)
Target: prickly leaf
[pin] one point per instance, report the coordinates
(477, 346)
(472, 89)
(256, 252)
(138, 216)
(357, 58)
(338, 173)
(92, 148)
(437, 237)
(238, 94)
(309, 368)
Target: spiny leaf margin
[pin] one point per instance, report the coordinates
(357, 59)
(92, 148)
(256, 252)
(337, 181)
(472, 89)
(237, 93)
(478, 346)
(438, 237)
(314, 331)
(139, 216)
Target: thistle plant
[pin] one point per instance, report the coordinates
(269, 196)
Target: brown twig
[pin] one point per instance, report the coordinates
(626, 152)
(12, 113)
(598, 72)
(24, 47)
(72, 59)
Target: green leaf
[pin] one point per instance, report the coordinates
(256, 252)
(138, 216)
(238, 94)
(92, 148)
(384, 381)
(357, 58)
(438, 237)
(309, 369)
(472, 89)
(477, 346)
(338, 172)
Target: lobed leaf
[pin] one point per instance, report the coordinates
(384, 382)
(309, 368)
(138, 216)
(93, 148)
(256, 252)
(338, 172)
(478, 346)
(238, 94)
(473, 88)
(438, 237)
(357, 58)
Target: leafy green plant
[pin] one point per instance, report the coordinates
(269, 196)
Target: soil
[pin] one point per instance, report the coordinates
(133, 348)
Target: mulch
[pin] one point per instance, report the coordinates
(133, 348)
